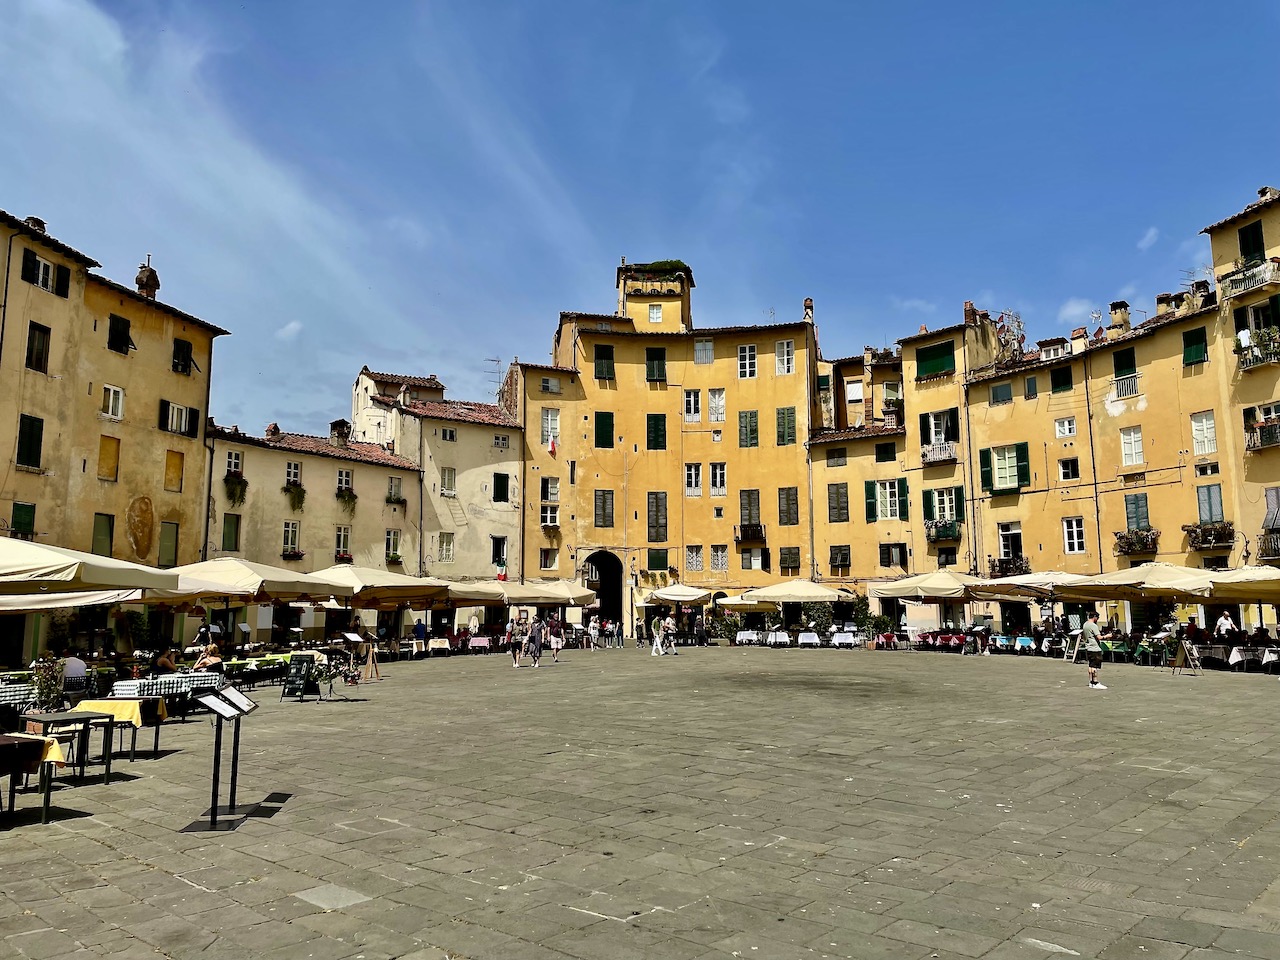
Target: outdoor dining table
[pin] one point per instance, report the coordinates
(747, 637)
(44, 724)
(132, 712)
(778, 638)
(19, 754)
(843, 639)
(809, 639)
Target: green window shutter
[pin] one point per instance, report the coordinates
(952, 429)
(1209, 498)
(1195, 346)
(936, 359)
(1060, 379)
(744, 434)
(960, 503)
(656, 431)
(904, 501)
(869, 488)
(655, 364)
(604, 429)
(30, 440)
(1135, 511)
(744, 506)
(1030, 389)
(824, 383)
(604, 361)
(1123, 362)
(1024, 464)
(103, 533)
(782, 426)
(924, 428)
(1253, 248)
(984, 468)
(1274, 303)
(23, 518)
(791, 425)
(927, 511)
(1240, 315)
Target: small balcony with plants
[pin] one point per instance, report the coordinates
(1245, 279)
(1210, 536)
(942, 531)
(1008, 566)
(1269, 545)
(1257, 348)
(394, 559)
(1137, 542)
(940, 451)
(341, 556)
(292, 554)
(1262, 434)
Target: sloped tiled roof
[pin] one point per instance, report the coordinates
(355, 450)
(1255, 207)
(20, 225)
(174, 312)
(408, 380)
(876, 430)
(456, 411)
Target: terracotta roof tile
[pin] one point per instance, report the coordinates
(858, 433)
(1260, 204)
(408, 380)
(355, 450)
(456, 411)
(20, 225)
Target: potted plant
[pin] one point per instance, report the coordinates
(236, 486)
(398, 501)
(297, 494)
(347, 500)
(340, 557)
(292, 554)
(393, 558)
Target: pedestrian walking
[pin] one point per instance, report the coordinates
(537, 636)
(700, 632)
(656, 629)
(669, 634)
(514, 639)
(593, 632)
(555, 630)
(1091, 633)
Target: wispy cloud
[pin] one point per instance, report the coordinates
(1128, 291)
(290, 330)
(913, 304)
(1148, 239)
(1076, 311)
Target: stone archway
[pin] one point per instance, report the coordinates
(607, 583)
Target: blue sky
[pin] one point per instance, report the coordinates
(420, 186)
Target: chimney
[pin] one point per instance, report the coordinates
(339, 433)
(808, 309)
(35, 223)
(1119, 319)
(970, 314)
(1079, 340)
(1179, 302)
(148, 280)
(273, 431)
(1268, 193)
(1199, 293)
(1164, 303)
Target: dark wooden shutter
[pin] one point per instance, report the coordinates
(501, 488)
(62, 281)
(764, 559)
(952, 427)
(869, 488)
(904, 501)
(604, 429)
(925, 436)
(1240, 315)
(984, 468)
(886, 555)
(1253, 248)
(1123, 362)
(30, 266)
(927, 504)
(1023, 452)
(164, 415)
(599, 508)
(604, 361)
(743, 433)
(744, 507)
(782, 426)
(1274, 303)
(193, 421)
(657, 517)
(959, 503)
(23, 518)
(30, 440)
(657, 431)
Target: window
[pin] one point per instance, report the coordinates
(785, 357)
(1195, 346)
(717, 513)
(391, 543)
(1064, 427)
(1252, 247)
(717, 436)
(786, 426)
(1204, 433)
(293, 473)
(38, 347)
(1030, 389)
(173, 469)
(549, 489)
(703, 351)
(1051, 351)
(498, 551)
(1006, 467)
(719, 557)
(753, 558)
(604, 508)
(54, 278)
(853, 391)
(235, 463)
(940, 426)
(655, 313)
(748, 428)
(342, 540)
(1001, 393)
(657, 516)
(886, 452)
(840, 556)
(1010, 535)
(693, 558)
(231, 532)
(719, 479)
(30, 441)
(944, 503)
(502, 488)
(183, 360)
(947, 556)
(175, 418)
(655, 364)
(1271, 522)
(1207, 469)
(655, 431)
(502, 441)
(715, 405)
(1209, 499)
(604, 430)
(837, 456)
(394, 488)
(1069, 468)
(344, 479)
(788, 506)
(1060, 380)
(747, 361)
(890, 500)
(446, 547)
(548, 558)
(893, 555)
(789, 560)
(168, 553)
(291, 537)
(104, 533)
(449, 434)
(1135, 512)
(551, 426)
(693, 479)
(1131, 446)
(935, 360)
(824, 383)
(1073, 534)
(657, 560)
(118, 337)
(749, 506)
(108, 458)
(448, 481)
(838, 502)
(692, 406)
(1124, 363)
(550, 384)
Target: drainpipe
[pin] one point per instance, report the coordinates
(208, 445)
(422, 530)
(4, 304)
(1093, 463)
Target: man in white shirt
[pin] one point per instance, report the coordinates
(1225, 629)
(75, 677)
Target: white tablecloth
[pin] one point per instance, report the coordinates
(748, 636)
(778, 638)
(808, 639)
(844, 640)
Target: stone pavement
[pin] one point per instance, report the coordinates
(727, 803)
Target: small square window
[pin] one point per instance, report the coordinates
(502, 441)
(448, 434)
(1064, 427)
(718, 513)
(1031, 389)
(1069, 468)
(1207, 469)
(1001, 393)
(886, 452)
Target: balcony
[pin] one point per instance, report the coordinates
(1250, 278)
(1262, 435)
(1269, 546)
(748, 533)
(1126, 386)
(1131, 542)
(942, 531)
(1210, 536)
(1263, 349)
(940, 451)
(1008, 566)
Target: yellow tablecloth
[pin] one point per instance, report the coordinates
(52, 748)
(125, 711)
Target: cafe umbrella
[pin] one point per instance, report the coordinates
(32, 568)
